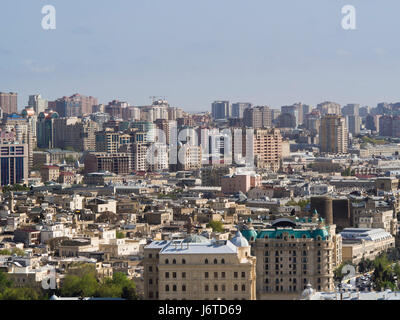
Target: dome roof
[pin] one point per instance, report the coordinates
(249, 234)
(239, 240)
(194, 238)
(284, 222)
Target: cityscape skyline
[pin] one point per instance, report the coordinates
(272, 56)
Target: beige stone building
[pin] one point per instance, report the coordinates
(292, 254)
(200, 269)
(359, 243)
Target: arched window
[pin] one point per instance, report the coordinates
(174, 287)
(215, 261)
(243, 287)
(216, 288)
(183, 261)
(206, 261)
(166, 261)
(183, 288)
(223, 261)
(167, 288)
(174, 261)
(235, 287)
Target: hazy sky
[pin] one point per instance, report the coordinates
(194, 52)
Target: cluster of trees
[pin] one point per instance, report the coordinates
(83, 282)
(301, 203)
(217, 226)
(365, 265)
(10, 292)
(348, 172)
(80, 281)
(386, 271)
(8, 252)
(337, 273)
(16, 187)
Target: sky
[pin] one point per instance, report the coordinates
(194, 52)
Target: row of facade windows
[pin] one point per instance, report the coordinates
(174, 288)
(184, 261)
(206, 275)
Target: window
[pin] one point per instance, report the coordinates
(174, 261)
(206, 261)
(216, 288)
(150, 255)
(174, 287)
(174, 275)
(243, 274)
(223, 287)
(183, 288)
(244, 288)
(206, 288)
(235, 275)
(167, 275)
(223, 261)
(183, 261)
(150, 281)
(235, 287)
(215, 261)
(150, 269)
(166, 261)
(215, 275)
(223, 275)
(167, 288)
(183, 275)
(206, 275)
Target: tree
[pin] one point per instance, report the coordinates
(80, 281)
(25, 293)
(5, 282)
(120, 235)
(75, 286)
(217, 226)
(119, 286)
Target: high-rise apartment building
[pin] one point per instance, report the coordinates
(118, 163)
(238, 109)
(296, 114)
(37, 103)
(257, 117)
(372, 122)
(75, 106)
(9, 102)
(354, 124)
(198, 268)
(139, 156)
(221, 110)
(13, 163)
(110, 141)
(351, 109)
(263, 148)
(45, 129)
(333, 134)
(23, 133)
(329, 108)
